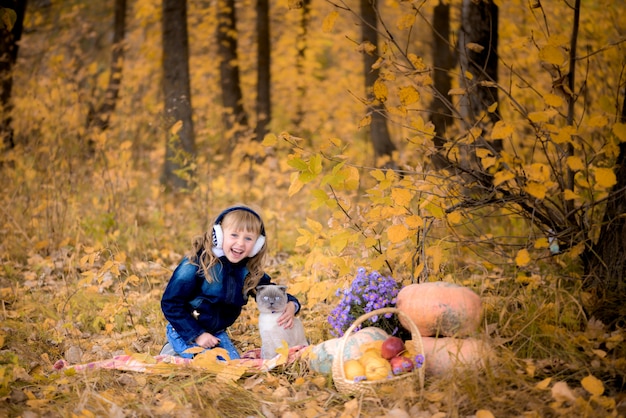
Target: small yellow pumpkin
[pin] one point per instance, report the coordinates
(376, 368)
(353, 369)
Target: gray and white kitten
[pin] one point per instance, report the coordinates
(271, 301)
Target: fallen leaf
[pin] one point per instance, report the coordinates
(592, 385)
(561, 392)
(544, 383)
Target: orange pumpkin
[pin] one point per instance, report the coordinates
(440, 308)
(446, 354)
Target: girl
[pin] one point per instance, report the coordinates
(210, 286)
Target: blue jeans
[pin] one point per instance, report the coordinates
(179, 345)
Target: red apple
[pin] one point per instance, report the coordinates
(401, 364)
(391, 347)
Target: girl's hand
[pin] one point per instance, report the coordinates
(207, 340)
(286, 319)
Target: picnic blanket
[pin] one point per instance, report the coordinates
(251, 361)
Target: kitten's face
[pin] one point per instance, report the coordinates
(271, 298)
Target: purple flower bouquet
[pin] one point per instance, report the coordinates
(367, 292)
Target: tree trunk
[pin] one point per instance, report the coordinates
(478, 53)
(383, 147)
(10, 34)
(605, 261)
(263, 100)
(442, 63)
(301, 45)
(180, 144)
(235, 118)
(100, 117)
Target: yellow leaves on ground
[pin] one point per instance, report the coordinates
(593, 385)
(210, 361)
(562, 393)
(522, 258)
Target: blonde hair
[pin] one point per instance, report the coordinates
(239, 220)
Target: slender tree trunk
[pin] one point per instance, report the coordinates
(10, 34)
(235, 118)
(100, 117)
(605, 261)
(442, 60)
(383, 147)
(263, 99)
(301, 45)
(478, 52)
(180, 144)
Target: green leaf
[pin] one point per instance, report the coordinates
(297, 163)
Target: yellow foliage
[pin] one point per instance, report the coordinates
(397, 233)
(619, 130)
(535, 189)
(501, 130)
(605, 177)
(522, 258)
(552, 55)
(329, 21)
(406, 21)
(380, 90)
(408, 95)
(575, 163)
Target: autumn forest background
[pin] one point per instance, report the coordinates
(477, 142)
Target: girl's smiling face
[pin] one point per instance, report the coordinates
(238, 244)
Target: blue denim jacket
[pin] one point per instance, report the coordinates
(192, 305)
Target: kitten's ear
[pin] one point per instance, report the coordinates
(260, 287)
(282, 288)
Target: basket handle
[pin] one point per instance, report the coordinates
(416, 336)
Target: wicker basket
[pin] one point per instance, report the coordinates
(383, 386)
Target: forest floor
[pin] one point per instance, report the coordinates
(46, 317)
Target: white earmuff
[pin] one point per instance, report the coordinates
(257, 245)
(218, 236)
